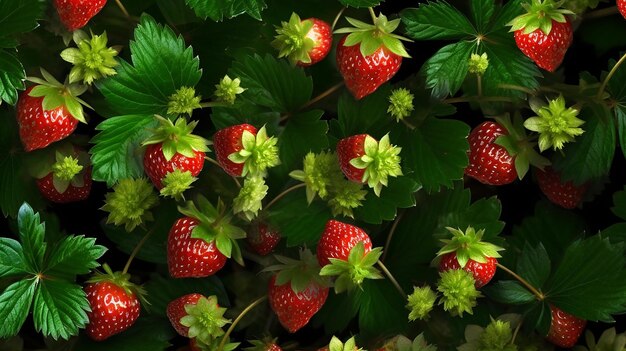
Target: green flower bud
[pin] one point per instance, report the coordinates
(496, 336)
(228, 89)
(92, 59)
(250, 197)
(478, 64)
(400, 103)
(183, 101)
(421, 302)
(458, 291)
(346, 196)
(176, 183)
(319, 173)
(205, 319)
(555, 124)
(66, 168)
(129, 203)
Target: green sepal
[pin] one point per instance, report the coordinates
(372, 37)
(120, 279)
(130, 203)
(176, 183)
(259, 152)
(539, 15)
(92, 59)
(55, 94)
(336, 345)
(381, 160)
(468, 245)
(205, 319)
(556, 124)
(177, 138)
(299, 273)
(66, 163)
(292, 41)
(358, 267)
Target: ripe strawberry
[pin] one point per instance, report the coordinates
(565, 329)
(489, 163)
(263, 239)
(544, 33)
(565, 194)
(338, 239)
(621, 5)
(172, 147)
(467, 251)
(295, 309)
(63, 174)
(192, 251)
(263, 345)
(73, 193)
(114, 304)
(303, 42)
(363, 159)
(370, 55)
(176, 310)
(75, 14)
(241, 150)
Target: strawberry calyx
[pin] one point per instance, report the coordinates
(355, 270)
(298, 273)
(212, 345)
(55, 95)
(539, 15)
(258, 153)
(177, 138)
(292, 40)
(214, 225)
(176, 183)
(458, 291)
(520, 146)
(92, 59)
(183, 101)
(337, 345)
(555, 123)
(119, 279)
(67, 164)
(228, 89)
(130, 203)
(381, 160)
(250, 198)
(205, 319)
(468, 245)
(261, 345)
(372, 37)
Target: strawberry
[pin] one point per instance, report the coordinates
(176, 311)
(338, 239)
(263, 345)
(172, 147)
(192, 249)
(565, 329)
(621, 6)
(336, 345)
(241, 150)
(297, 291)
(369, 55)
(74, 192)
(114, 304)
(75, 14)
(490, 163)
(363, 159)
(544, 33)
(263, 239)
(303, 42)
(197, 317)
(467, 251)
(565, 194)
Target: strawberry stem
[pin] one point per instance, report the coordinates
(518, 88)
(332, 29)
(610, 75)
(478, 99)
(285, 192)
(314, 100)
(390, 235)
(220, 166)
(373, 14)
(239, 317)
(213, 104)
(528, 286)
(136, 250)
(392, 279)
(121, 6)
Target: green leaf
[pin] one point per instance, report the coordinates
(506, 14)
(18, 17)
(436, 20)
(368, 115)
(60, 309)
(376, 318)
(534, 265)
(163, 290)
(398, 194)
(148, 333)
(161, 64)
(616, 86)
(74, 255)
(338, 311)
(539, 317)
(298, 222)
(620, 116)
(11, 258)
(482, 11)
(435, 153)
(509, 292)
(361, 3)
(117, 153)
(594, 149)
(15, 303)
(590, 280)
(31, 232)
(12, 76)
(446, 70)
(217, 10)
(272, 83)
(619, 204)
(304, 132)
(245, 112)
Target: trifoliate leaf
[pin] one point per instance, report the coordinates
(60, 309)
(218, 10)
(31, 233)
(74, 255)
(15, 303)
(436, 20)
(11, 258)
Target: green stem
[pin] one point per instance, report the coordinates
(479, 83)
(528, 286)
(285, 192)
(478, 99)
(314, 100)
(390, 235)
(610, 75)
(408, 124)
(213, 104)
(391, 279)
(373, 14)
(239, 317)
(601, 13)
(516, 87)
(337, 18)
(220, 166)
(136, 250)
(121, 6)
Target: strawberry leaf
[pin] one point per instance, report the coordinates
(361, 3)
(142, 88)
(619, 204)
(446, 70)
(338, 311)
(435, 153)
(147, 333)
(11, 258)
(377, 318)
(31, 233)
(482, 12)
(509, 292)
(398, 194)
(620, 117)
(368, 115)
(74, 255)
(436, 20)
(59, 309)
(117, 154)
(534, 265)
(15, 303)
(616, 86)
(245, 112)
(12, 76)
(305, 132)
(218, 10)
(18, 17)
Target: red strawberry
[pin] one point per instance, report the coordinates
(241, 150)
(264, 239)
(564, 194)
(40, 128)
(189, 257)
(114, 304)
(347, 149)
(621, 5)
(303, 42)
(488, 162)
(482, 272)
(72, 194)
(157, 166)
(176, 310)
(294, 310)
(263, 345)
(565, 329)
(76, 13)
(338, 239)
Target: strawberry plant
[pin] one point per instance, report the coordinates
(315, 175)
